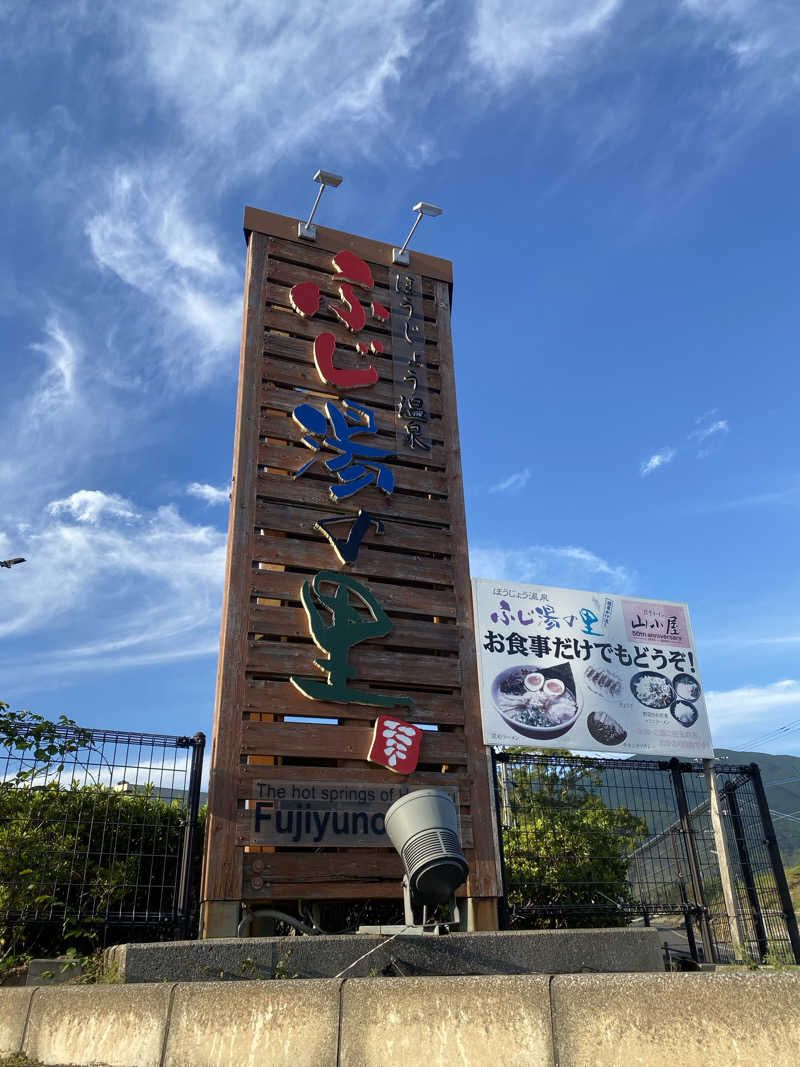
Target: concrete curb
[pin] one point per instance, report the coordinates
(288, 1024)
(489, 952)
(480, 1020)
(98, 1024)
(15, 1004)
(606, 1020)
(694, 1020)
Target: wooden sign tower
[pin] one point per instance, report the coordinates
(347, 589)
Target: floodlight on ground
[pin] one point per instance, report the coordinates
(400, 255)
(306, 230)
(423, 827)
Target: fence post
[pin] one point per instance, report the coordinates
(691, 856)
(723, 856)
(777, 862)
(501, 776)
(198, 743)
(747, 870)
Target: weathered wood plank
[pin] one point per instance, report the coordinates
(280, 698)
(280, 346)
(276, 867)
(300, 521)
(278, 300)
(303, 374)
(411, 600)
(278, 318)
(294, 456)
(371, 562)
(283, 866)
(276, 398)
(314, 491)
(289, 274)
(251, 773)
(406, 633)
(376, 890)
(281, 427)
(284, 245)
(377, 665)
(339, 742)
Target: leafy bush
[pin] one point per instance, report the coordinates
(565, 849)
(75, 858)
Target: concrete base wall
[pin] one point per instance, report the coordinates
(606, 1020)
(517, 952)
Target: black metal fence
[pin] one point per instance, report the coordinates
(97, 829)
(611, 842)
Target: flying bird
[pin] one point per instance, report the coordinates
(11, 562)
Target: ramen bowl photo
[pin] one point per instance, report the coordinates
(537, 702)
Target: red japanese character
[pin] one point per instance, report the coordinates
(353, 268)
(324, 347)
(305, 299)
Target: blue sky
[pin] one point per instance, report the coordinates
(618, 180)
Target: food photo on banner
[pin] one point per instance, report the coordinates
(597, 672)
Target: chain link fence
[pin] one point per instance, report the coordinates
(97, 830)
(591, 842)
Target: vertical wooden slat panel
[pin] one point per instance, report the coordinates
(483, 880)
(221, 866)
(419, 572)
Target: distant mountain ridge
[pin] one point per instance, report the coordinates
(781, 777)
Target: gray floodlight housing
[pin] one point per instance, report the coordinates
(326, 177)
(307, 230)
(427, 209)
(400, 255)
(423, 827)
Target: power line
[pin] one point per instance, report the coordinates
(783, 815)
(771, 734)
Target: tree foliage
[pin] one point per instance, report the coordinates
(76, 856)
(565, 848)
(45, 743)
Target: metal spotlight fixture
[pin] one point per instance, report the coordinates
(306, 230)
(400, 255)
(423, 827)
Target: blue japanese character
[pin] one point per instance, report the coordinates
(344, 427)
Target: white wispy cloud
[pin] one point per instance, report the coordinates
(514, 481)
(535, 37)
(108, 584)
(57, 387)
(658, 459)
(720, 426)
(223, 83)
(709, 428)
(778, 496)
(751, 31)
(90, 505)
(209, 493)
(60, 413)
(742, 716)
(567, 565)
(709, 434)
(144, 235)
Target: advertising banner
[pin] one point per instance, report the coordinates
(564, 668)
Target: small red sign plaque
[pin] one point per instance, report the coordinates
(395, 744)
